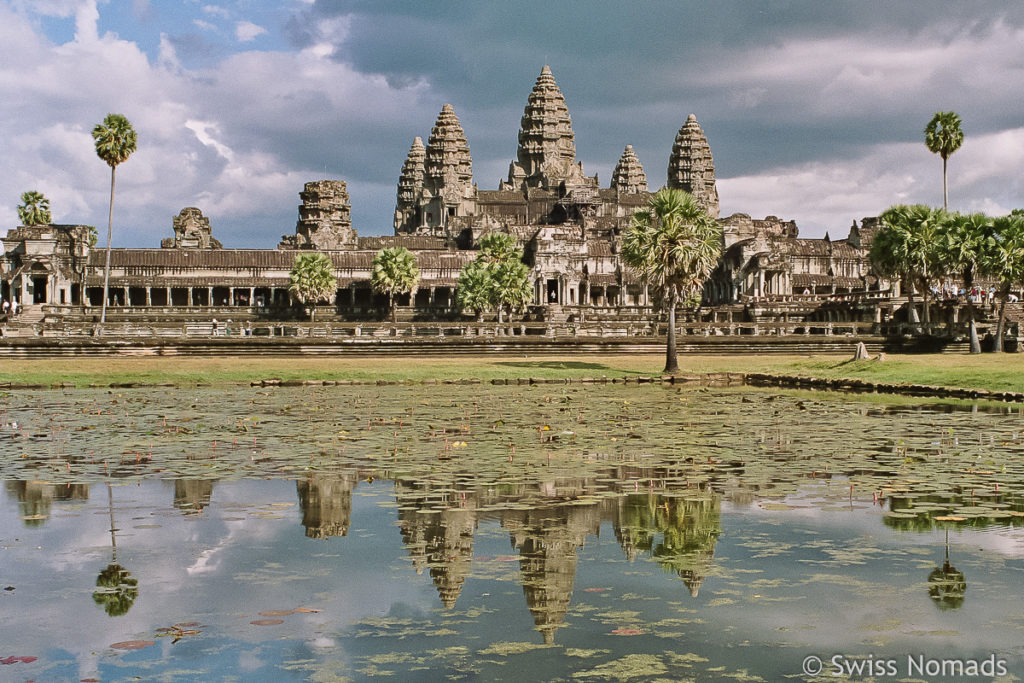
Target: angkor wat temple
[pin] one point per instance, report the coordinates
(569, 226)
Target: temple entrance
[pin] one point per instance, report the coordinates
(552, 295)
(39, 289)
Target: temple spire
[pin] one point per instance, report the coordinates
(410, 187)
(547, 147)
(628, 176)
(691, 167)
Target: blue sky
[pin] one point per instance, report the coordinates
(814, 111)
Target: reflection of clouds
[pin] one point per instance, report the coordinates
(248, 660)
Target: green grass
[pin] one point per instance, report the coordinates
(1002, 372)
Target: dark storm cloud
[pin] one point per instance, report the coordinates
(610, 56)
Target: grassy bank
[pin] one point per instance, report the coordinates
(1003, 372)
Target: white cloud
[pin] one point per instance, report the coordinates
(827, 195)
(247, 31)
(196, 141)
(216, 11)
(203, 25)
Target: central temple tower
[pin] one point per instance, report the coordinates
(547, 148)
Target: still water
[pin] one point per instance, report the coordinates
(507, 533)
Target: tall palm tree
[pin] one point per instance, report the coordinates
(964, 240)
(674, 244)
(312, 280)
(1005, 262)
(115, 141)
(394, 272)
(907, 245)
(943, 136)
(34, 209)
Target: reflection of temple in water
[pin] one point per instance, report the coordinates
(326, 502)
(548, 539)
(437, 529)
(548, 526)
(36, 497)
(688, 528)
(191, 496)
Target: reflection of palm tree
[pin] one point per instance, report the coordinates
(117, 588)
(946, 584)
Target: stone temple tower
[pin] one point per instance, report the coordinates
(691, 167)
(436, 184)
(547, 147)
(325, 218)
(628, 176)
(408, 217)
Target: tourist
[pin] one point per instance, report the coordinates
(1012, 298)
(214, 323)
(6, 307)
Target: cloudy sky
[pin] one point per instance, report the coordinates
(814, 110)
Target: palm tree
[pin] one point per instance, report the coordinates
(34, 209)
(394, 272)
(313, 280)
(674, 244)
(115, 141)
(943, 136)
(510, 285)
(474, 291)
(496, 247)
(1005, 262)
(964, 239)
(907, 246)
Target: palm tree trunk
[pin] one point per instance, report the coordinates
(971, 313)
(394, 309)
(106, 269)
(1001, 325)
(945, 196)
(671, 362)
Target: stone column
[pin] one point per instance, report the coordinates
(168, 295)
(149, 296)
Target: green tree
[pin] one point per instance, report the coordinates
(474, 292)
(943, 136)
(907, 246)
(313, 281)
(497, 278)
(496, 247)
(963, 241)
(1004, 261)
(674, 245)
(394, 272)
(34, 209)
(115, 141)
(510, 286)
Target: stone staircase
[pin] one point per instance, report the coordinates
(26, 323)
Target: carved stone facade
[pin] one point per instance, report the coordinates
(191, 231)
(325, 218)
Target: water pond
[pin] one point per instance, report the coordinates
(549, 532)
